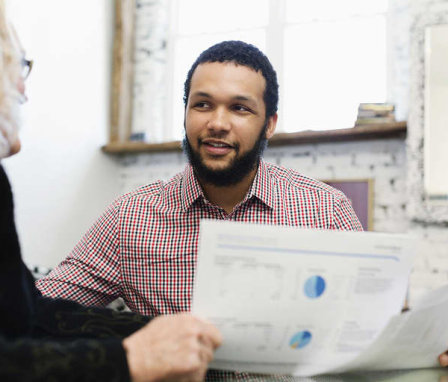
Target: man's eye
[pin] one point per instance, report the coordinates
(201, 105)
(241, 108)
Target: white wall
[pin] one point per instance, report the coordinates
(61, 180)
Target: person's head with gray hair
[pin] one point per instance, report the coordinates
(12, 86)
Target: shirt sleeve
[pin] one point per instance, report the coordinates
(344, 216)
(66, 319)
(81, 360)
(90, 274)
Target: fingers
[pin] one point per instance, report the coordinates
(177, 347)
(206, 331)
(212, 333)
(206, 351)
(208, 337)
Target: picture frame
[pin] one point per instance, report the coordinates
(360, 194)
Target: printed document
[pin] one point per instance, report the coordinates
(305, 302)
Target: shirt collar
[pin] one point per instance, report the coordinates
(263, 187)
(191, 190)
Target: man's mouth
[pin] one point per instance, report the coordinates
(216, 147)
(218, 144)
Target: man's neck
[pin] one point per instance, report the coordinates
(227, 197)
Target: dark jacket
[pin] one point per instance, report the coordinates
(43, 339)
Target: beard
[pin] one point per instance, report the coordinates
(236, 170)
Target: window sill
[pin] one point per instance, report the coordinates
(368, 132)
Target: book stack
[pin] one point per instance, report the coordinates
(375, 113)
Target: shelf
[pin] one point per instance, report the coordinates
(383, 131)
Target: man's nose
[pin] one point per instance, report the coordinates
(219, 120)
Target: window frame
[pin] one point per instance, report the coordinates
(122, 82)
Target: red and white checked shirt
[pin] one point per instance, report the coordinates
(143, 248)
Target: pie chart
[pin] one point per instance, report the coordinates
(300, 339)
(314, 287)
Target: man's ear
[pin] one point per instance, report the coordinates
(272, 124)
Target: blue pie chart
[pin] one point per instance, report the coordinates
(314, 287)
(300, 339)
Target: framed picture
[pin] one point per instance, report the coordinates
(360, 194)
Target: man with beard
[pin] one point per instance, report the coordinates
(45, 339)
(144, 246)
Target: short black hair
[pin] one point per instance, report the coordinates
(241, 53)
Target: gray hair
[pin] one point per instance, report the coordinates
(9, 77)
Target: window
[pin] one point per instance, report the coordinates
(329, 56)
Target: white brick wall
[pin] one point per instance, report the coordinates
(385, 161)
(431, 264)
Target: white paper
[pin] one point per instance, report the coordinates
(297, 301)
(411, 340)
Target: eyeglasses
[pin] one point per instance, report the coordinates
(27, 65)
